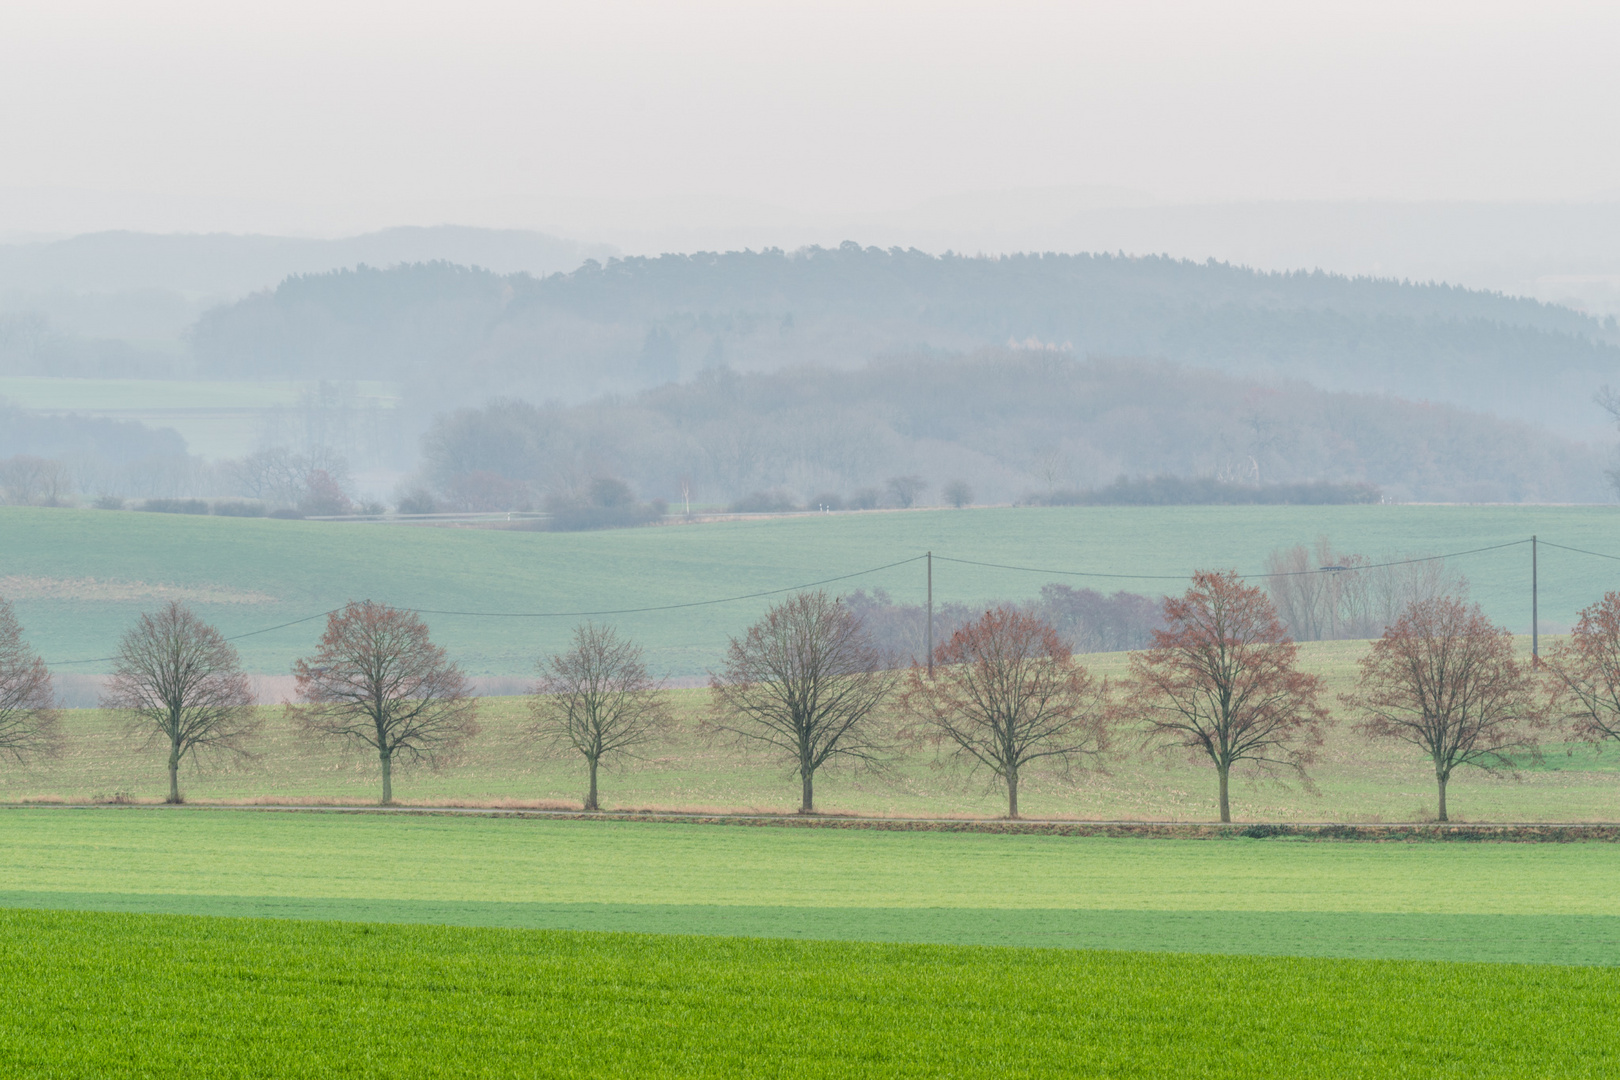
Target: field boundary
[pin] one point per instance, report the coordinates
(1373, 832)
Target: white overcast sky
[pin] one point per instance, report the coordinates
(325, 117)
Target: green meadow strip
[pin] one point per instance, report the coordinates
(116, 995)
(1518, 939)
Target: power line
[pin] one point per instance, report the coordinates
(665, 607)
(873, 570)
(556, 614)
(1580, 551)
(1283, 573)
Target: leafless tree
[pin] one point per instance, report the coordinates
(26, 480)
(29, 722)
(1586, 669)
(958, 494)
(1006, 694)
(1444, 679)
(805, 682)
(378, 680)
(904, 491)
(1222, 681)
(181, 683)
(597, 700)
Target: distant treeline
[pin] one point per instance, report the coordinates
(995, 426)
(1208, 491)
(1088, 621)
(459, 334)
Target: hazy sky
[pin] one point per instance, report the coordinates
(331, 117)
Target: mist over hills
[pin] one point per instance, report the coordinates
(1010, 423)
(820, 370)
(146, 289)
(460, 334)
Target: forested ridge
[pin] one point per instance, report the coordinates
(629, 324)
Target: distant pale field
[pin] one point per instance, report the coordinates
(82, 576)
(217, 418)
(1356, 780)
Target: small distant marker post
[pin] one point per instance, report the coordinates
(930, 559)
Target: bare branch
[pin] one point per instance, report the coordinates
(1223, 681)
(29, 720)
(805, 682)
(1008, 693)
(181, 684)
(1443, 679)
(597, 701)
(377, 679)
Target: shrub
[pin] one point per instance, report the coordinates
(108, 502)
(865, 499)
(240, 508)
(174, 506)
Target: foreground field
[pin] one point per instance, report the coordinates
(1526, 903)
(80, 576)
(123, 995)
(1357, 781)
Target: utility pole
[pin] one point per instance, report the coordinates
(1535, 625)
(930, 615)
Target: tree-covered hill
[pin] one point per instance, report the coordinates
(459, 334)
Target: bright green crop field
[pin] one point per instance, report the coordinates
(163, 996)
(79, 577)
(164, 942)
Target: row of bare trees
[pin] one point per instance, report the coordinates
(807, 684)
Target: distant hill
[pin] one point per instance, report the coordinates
(1010, 424)
(92, 304)
(460, 334)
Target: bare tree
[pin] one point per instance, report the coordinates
(29, 722)
(378, 680)
(1008, 693)
(26, 480)
(804, 681)
(597, 700)
(1586, 687)
(181, 683)
(904, 491)
(1443, 679)
(958, 494)
(1222, 681)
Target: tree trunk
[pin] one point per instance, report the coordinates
(174, 771)
(1226, 804)
(1012, 793)
(590, 799)
(808, 804)
(388, 777)
(1441, 781)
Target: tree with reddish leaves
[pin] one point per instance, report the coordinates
(804, 683)
(1443, 678)
(1006, 694)
(181, 682)
(1586, 670)
(377, 680)
(28, 716)
(1221, 680)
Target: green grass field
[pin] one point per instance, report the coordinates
(1356, 780)
(125, 995)
(1524, 903)
(80, 576)
(185, 942)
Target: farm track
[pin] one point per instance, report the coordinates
(1374, 832)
